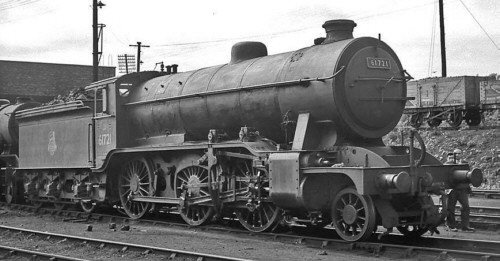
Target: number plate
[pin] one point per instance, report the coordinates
(378, 63)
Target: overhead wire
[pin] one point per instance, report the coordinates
(290, 31)
(478, 23)
(433, 40)
(16, 4)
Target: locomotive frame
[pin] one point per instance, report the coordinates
(265, 139)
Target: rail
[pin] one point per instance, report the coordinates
(486, 193)
(171, 253)
(434, 248)
(11, 252)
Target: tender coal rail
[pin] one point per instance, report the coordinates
(169, 253)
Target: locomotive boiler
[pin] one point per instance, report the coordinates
(267, 139)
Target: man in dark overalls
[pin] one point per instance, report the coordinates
(461, 194)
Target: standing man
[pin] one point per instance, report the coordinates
(461, 194)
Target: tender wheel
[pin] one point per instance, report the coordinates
(412, 231)
(416, 120)
(192, 183)
(88, 206)
(37, 203)
(59, 206)
(455, 119)
(260, 214)
(353, 215)
(135, 180)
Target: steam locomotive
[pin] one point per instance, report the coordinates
(266, 139)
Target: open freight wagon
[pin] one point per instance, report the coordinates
(451, 99)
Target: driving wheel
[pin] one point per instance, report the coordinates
(59, 206)
(260, 214)
(353, 215)
(135, 180)
(192, 183)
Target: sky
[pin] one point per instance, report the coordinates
(196, 33)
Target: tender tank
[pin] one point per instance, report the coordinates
(365, 99)
(9, 130)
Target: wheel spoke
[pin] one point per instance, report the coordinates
(143, 190)
(125, 193)
(265, 213)
(134, 167)
(144, 173)
(183, 179)
(343, 202)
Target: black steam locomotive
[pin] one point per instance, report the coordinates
(264, 138)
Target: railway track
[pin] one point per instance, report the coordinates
(389, 245)
(486, 193)
(12, 252)
(462, 127)
(427, 247)
(121, 246)
(485, 218)
(482, 217)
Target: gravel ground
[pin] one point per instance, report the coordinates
(240, 246)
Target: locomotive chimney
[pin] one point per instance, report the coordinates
(338, 30)
(174, 68)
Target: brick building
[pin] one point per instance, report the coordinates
(44, 81)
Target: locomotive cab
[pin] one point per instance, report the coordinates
(110, 115)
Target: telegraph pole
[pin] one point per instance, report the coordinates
(95, 40)
(138, 45)
(443, 44)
